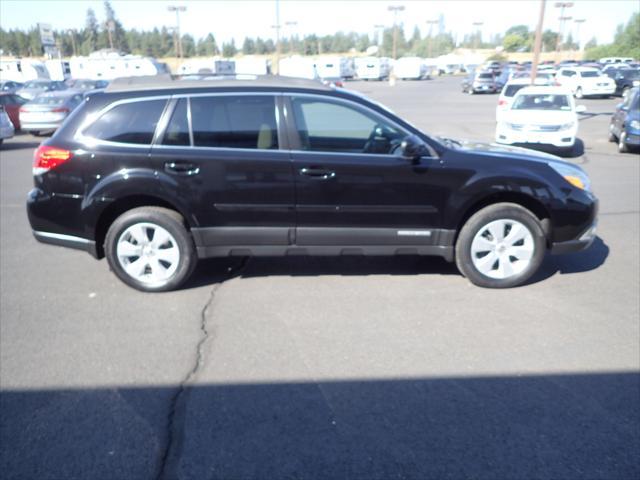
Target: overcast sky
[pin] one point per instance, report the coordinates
(237, 19)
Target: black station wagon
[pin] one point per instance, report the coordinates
(156, 173)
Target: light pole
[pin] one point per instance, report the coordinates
(478, 35)
(291, 24)
(561, 6)
(537, 44)
(178, 9)
(73, 41)
(395, 9)
(431, 23)
(277, 26)
(379, 33)
(578, 22)
(111, 26)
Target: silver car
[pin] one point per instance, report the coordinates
(6, 127)
(46, 112)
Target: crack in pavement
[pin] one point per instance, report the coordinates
(175, 421)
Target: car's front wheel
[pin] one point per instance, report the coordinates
(579, 93)
(500, 246)
(149, 249)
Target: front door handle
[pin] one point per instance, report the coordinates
(318, 173)
(181, 168)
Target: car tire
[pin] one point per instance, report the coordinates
(578, 93)
(517, 258)
(622, 142)
(131, 239)
(470, 91)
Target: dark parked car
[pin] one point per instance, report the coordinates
(12, 103)
(10, 86)
(624, 128)
(86, 84)
(626, 79)
(157, 173)
(480, 82)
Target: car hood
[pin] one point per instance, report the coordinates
(515, 153)
(539, 117)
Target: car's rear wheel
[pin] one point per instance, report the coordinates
(625, 92)
(500, 246)
(149, 249)
(578, 93)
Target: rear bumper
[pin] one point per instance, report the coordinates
(35, 126)
(69, 241)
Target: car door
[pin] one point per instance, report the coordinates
(353, 187)
(223, 151)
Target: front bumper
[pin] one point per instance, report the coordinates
(560, 139)
(632, 138)
(581, 243)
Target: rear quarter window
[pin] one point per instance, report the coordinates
(133, 122)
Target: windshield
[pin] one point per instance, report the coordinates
(589, 74)
(628, 73)
(541, 102)
(36, 85)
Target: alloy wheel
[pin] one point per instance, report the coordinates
(148, 253)
(502, 249)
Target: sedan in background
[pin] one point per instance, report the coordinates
(626, 79)
(540, 117)
(480, 82)
(46, 112)
(6, 127)
(10, 86)
(33, 88)
(12, 103)
(86, 84)
(584, 82)
(624, 128)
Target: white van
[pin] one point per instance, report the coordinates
(59, 70)
(372, 68)
(410, 68)
(252, 66)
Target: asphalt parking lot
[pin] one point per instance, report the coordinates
(368, 368)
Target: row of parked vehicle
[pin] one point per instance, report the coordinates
(40, 106)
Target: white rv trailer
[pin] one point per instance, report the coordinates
(108, 64)
(372, 68)
(211, 66)
(59, 70)
(22, 70)
(334, 67)
(409, 68)
(297, 66)
(253, 66)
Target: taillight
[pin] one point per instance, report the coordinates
(60, 110)
(502, 101)
(22, 109)
(47, 158)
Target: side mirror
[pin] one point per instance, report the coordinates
(581, 108)
(413, 148)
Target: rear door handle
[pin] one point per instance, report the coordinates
(181, 168)
(318, 173)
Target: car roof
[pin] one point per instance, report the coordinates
(544, 90)
(582, 69)
(62, 93)
(170, 82)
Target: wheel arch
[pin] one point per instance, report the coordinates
(532, 204)
(122, 205)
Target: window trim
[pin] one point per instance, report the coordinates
(280, 133)
(295, 142)
(92, 118)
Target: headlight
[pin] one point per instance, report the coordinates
(635, 124)
(636, 83)
(572, 174)
(567, 126)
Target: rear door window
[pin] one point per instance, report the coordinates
(230, 121)
(133, 123)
